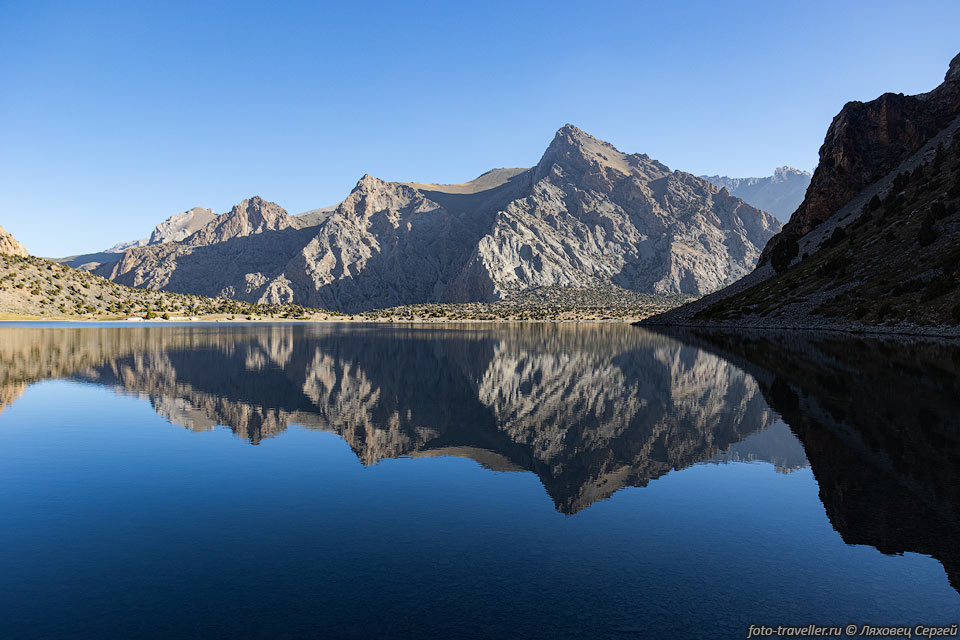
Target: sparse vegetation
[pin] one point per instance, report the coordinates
(35, 287)
(540, 304)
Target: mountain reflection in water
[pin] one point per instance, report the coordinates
(588, 409)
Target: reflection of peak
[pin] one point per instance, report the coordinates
(776, 444)
(604, 407)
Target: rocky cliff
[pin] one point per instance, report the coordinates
(873, 246)
(779, 194)
(586, 216)
(10, 246)
(865, 142)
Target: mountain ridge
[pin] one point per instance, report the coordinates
(586, 215)
(779, 194)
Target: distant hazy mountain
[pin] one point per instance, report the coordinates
(586, 216)
(779, 194)
(10, 245)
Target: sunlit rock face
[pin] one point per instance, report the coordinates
(10, 245)
(587, 215)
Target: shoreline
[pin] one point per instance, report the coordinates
(10, 319)
(853, 330)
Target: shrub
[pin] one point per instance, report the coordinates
(874, 203)
(937, 287)
(783, 254)
(884, 310)
(926, 236)
(833, 267)
(838, 236)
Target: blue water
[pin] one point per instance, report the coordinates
(117, 522)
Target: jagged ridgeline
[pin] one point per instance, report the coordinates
(586, 216)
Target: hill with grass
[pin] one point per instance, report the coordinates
(44, 289)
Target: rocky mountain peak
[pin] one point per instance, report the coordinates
(785, 173)
(10, 245)
(581, 156)
(587, 216)
(251, 216)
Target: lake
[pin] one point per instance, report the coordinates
(472, 481)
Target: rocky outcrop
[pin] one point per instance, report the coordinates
(10, 246)
(779, 194)
(586, 216)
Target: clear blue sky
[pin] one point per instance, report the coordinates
(117, 115)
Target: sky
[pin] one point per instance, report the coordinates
(117, 115)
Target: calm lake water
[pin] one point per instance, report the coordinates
(537, 481)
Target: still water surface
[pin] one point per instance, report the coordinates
(537, 481)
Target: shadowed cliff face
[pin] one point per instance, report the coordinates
(880, 423)
(865, 142)
(588, 409)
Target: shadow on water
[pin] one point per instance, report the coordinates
(588, 409)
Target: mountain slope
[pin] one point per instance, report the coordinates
(779, 194)
(31, 286)
(874, 244)
(586, 216)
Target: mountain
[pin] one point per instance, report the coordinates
(586, 215)
(779, 194)
(174, 229)
(874, 245)
(120, 247)
(10, 246)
